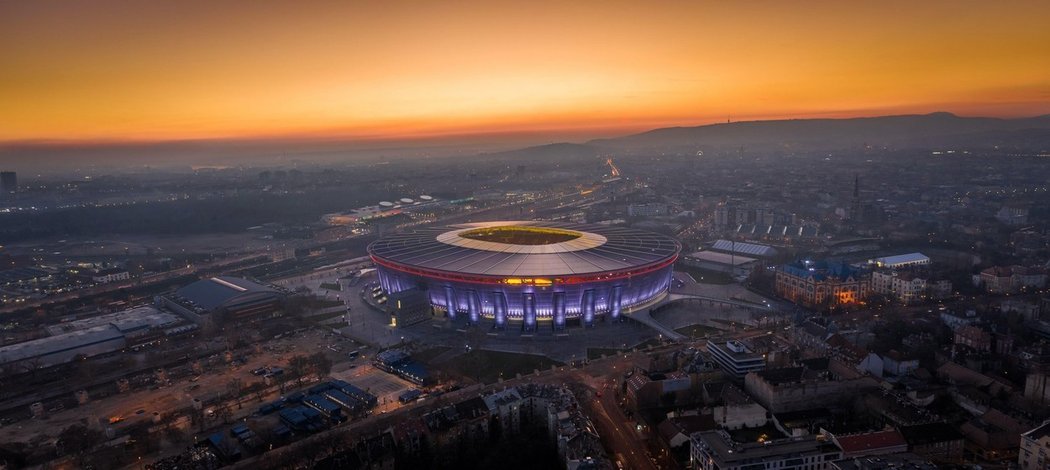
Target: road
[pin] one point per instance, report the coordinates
(616, 432)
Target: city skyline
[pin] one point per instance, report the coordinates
(150, 72)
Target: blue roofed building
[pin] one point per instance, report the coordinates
(301, 418)
(413, 372)
(346, 401)
(822, 282)
(323, 405)
(369, 400)
(400, 363)
(238, 298)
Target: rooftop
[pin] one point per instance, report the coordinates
(820, 270)
(223, 291)
(885, 462)
(920, 434)
(730, 452)
(502, 398)
(144, 316)
(1039, 432)
(753, 249)
(870, 441)
(443, 249)
(61, 348)
(896, 260)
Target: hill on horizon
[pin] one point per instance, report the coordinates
(919, 130)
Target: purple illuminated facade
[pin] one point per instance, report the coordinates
(599, 271)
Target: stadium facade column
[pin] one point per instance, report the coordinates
(529, 304)
(615, 302)
(559, 310)
(499, 308)
(450, 302)
(474, 307)
(587, 305)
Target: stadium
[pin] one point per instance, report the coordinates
(529, 272)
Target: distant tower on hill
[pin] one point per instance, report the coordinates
(854, 210)
(8, 182)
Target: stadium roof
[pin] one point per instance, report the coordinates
(224, 291)
(753, 249)
(597, 249)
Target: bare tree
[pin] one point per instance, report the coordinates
(236, 386)
(77, 440)
(320, 364)
(298, 366)
(223, 411)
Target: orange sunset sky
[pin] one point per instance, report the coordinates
(142, 70)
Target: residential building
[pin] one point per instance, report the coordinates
(939, 442)
(994, 436)
(1010, 279)
(1035, 448)
(716, 450)
(974, 337)
(903, 286)
(800, 388)
(735, 410)
(1036, 360)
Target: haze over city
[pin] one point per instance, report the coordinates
(581, 235)
(147, 71)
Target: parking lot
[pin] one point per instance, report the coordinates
(387, 387)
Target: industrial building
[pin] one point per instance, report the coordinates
(384, 209)
(901, 261)
(238, 298)
(90, 337)
(753, 250)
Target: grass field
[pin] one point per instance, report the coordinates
(426, 355)
(704, 276)
(487, 366)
